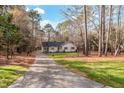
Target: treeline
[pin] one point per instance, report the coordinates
(93, 28)
(18, 30)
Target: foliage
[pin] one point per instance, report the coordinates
(34, 15)
(16, 31)
(10, 34)
(50, 32)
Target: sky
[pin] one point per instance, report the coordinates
(49, 13)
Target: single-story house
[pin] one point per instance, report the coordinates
(58, 47)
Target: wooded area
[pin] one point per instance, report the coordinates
(19, 30)
(91, 28)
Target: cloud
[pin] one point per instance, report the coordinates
(44, 22)
(40, 11)
(27, 9)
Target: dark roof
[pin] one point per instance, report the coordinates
(48, 44)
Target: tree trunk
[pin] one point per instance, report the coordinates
(117, 46)
(108, 33)
(100, 34)
(7, 51)
(103, 29)
(116, 51)
(86, 40)
(32, 42)
(11, 51)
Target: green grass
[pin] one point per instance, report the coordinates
(108, 72)
(8, 74)
(62, 55)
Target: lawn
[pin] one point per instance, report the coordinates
(10, 73)
(62, 55)
(109, 73)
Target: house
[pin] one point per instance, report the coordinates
(53, 47)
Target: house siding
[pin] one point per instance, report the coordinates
(69, 47)
(53, 49)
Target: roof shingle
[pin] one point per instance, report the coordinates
(49, 44)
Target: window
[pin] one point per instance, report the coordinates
(65, 48)
(72, 48)
(52, 48)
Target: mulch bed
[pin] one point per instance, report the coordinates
(22, 60)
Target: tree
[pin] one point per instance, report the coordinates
(86, 40)
(23, 21)
(109, 30)
(76, 15)
(10, 32)
(16, 34)
(103, 29)
(48, 29)
(117, 47)
(35, 19)
(100, 34)
(11, 37)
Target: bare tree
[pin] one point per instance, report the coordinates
(117, 47)
(100, 33)
(103, 29)
(109, 30)
(86, 40)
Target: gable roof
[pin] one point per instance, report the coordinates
(49, 44)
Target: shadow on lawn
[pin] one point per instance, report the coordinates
(99, 74)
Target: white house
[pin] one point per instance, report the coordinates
(58, 47)
(69, 47)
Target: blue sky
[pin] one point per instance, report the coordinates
(50, 13)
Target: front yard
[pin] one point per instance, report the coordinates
(110, 73)
(10, 73)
